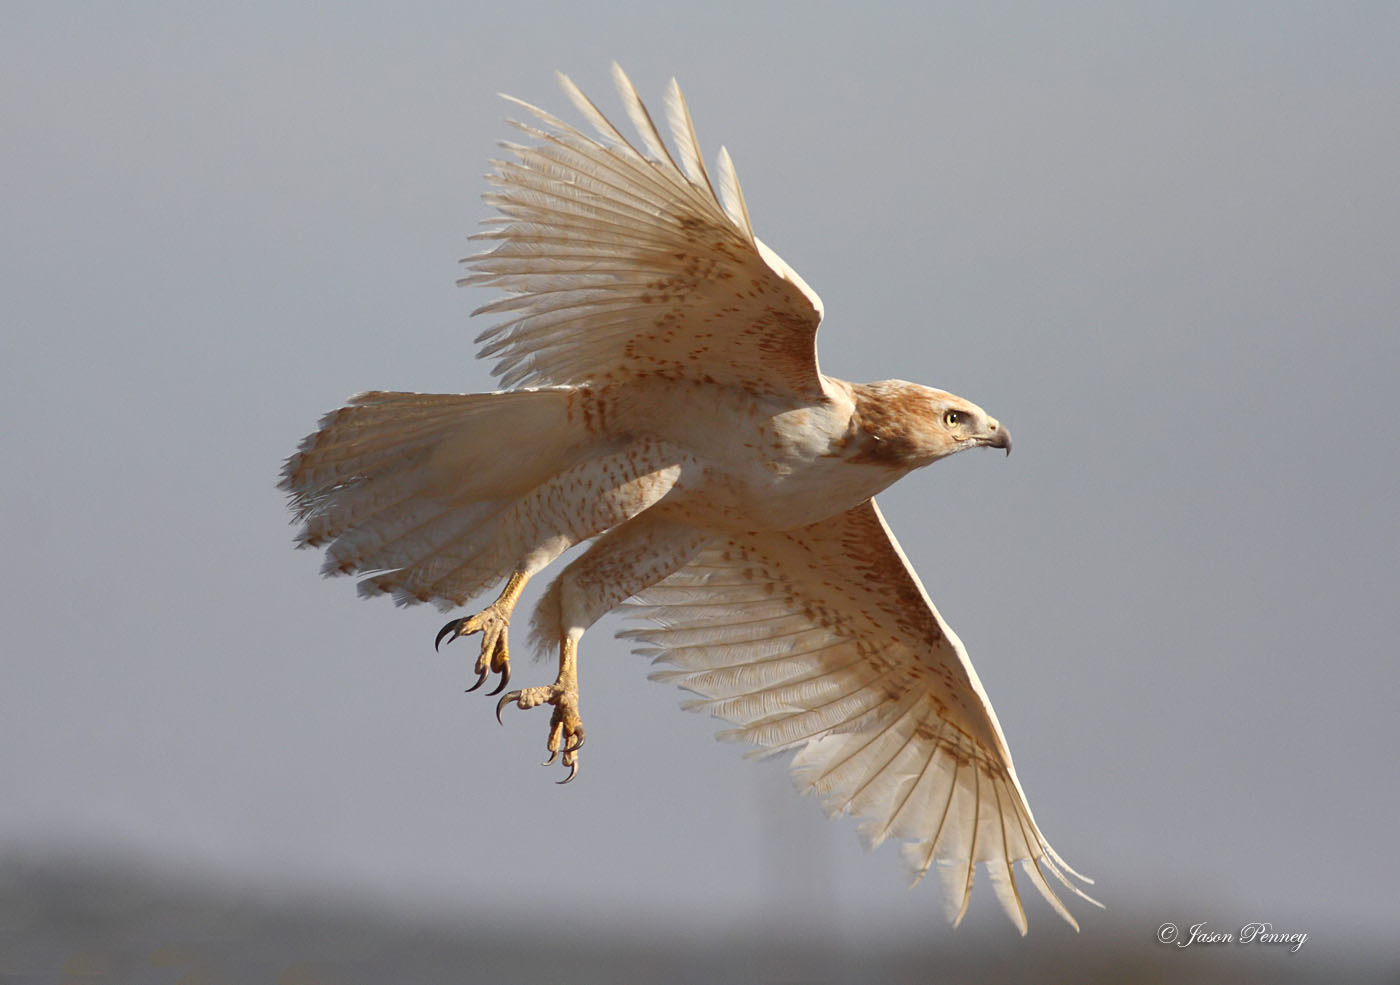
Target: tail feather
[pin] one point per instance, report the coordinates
(338, 506)
(374, 431)
(411, 488)
(410, 533)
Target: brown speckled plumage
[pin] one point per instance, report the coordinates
(664, 402)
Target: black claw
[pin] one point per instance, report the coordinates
(505, 700)
(454, 627)
(479, 681)
(505, 679)
(573, 772)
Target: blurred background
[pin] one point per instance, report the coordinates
(1160, 242)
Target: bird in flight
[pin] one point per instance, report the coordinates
(662, 400)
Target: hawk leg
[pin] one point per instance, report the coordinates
(565, 726)
(624, 561)
(492, 623)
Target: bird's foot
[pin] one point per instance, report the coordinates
(565, 726)
(492, 623)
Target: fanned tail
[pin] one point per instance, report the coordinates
(414, 491)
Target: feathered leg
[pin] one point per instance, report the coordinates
(628, 559)
(570, 507)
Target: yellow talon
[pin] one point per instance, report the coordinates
(566, 734)
(492, 623)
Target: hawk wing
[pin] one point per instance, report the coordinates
(822, 640)
(621, 263)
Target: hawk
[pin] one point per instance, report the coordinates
(662, 399)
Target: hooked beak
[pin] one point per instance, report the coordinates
(997, 436)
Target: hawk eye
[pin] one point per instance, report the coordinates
(952, 418)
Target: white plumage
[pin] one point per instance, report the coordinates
(863, 678)
(673, 413)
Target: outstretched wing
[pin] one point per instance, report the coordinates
(822, 640)
(620, 262)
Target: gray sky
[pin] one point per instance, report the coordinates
(1161, 243)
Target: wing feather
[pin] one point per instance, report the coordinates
(641, 119)
(683, 136)
(822, 640)
(731, 195)
(623, 260)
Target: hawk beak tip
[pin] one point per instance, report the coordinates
(1000, 438)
